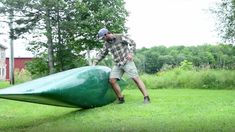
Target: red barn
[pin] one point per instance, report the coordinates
(19, 63)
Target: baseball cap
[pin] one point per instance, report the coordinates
(102, 33)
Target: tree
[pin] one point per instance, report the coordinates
(151, 62)
(29, 14)
(37, 67)
(225, 12)
(70, 28)
(9, 8)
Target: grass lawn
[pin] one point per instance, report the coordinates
(4, 84)
(170, 110)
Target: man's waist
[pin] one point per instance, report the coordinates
(121, 62)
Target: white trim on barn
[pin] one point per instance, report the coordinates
(2, 62)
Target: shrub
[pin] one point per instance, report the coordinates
(22, 76)
(179, 78)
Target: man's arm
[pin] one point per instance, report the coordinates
(131, 44)
(100, 55)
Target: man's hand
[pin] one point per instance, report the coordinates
(129, 56)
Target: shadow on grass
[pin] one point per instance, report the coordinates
(41, 121)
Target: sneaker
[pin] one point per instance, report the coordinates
(121, 100)
(146, 99)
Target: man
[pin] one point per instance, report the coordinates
(122, 49)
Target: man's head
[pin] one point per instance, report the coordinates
(102, 32)
(105, 34)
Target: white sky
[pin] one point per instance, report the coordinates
(171, 22)
(159, 22)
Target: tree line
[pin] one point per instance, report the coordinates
(152, 60)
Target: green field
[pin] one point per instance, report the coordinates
(170, 110)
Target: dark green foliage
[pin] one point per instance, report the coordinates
(153, 59)
(38, 67)
(151, 62)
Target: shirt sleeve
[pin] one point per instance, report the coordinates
(131, 44)
(101, 54)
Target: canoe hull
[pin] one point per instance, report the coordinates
(83, 87)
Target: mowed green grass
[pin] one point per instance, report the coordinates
(170, 110)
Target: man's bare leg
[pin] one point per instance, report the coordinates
(142, 88)
(116, 87)
(117, 90)
(140, 85)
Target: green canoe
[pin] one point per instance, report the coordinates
(84, 87)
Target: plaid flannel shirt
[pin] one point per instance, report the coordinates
(120, 47)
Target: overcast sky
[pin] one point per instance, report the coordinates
(160, 22)
(171, 22)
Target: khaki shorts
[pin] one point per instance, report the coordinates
(129, 68)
